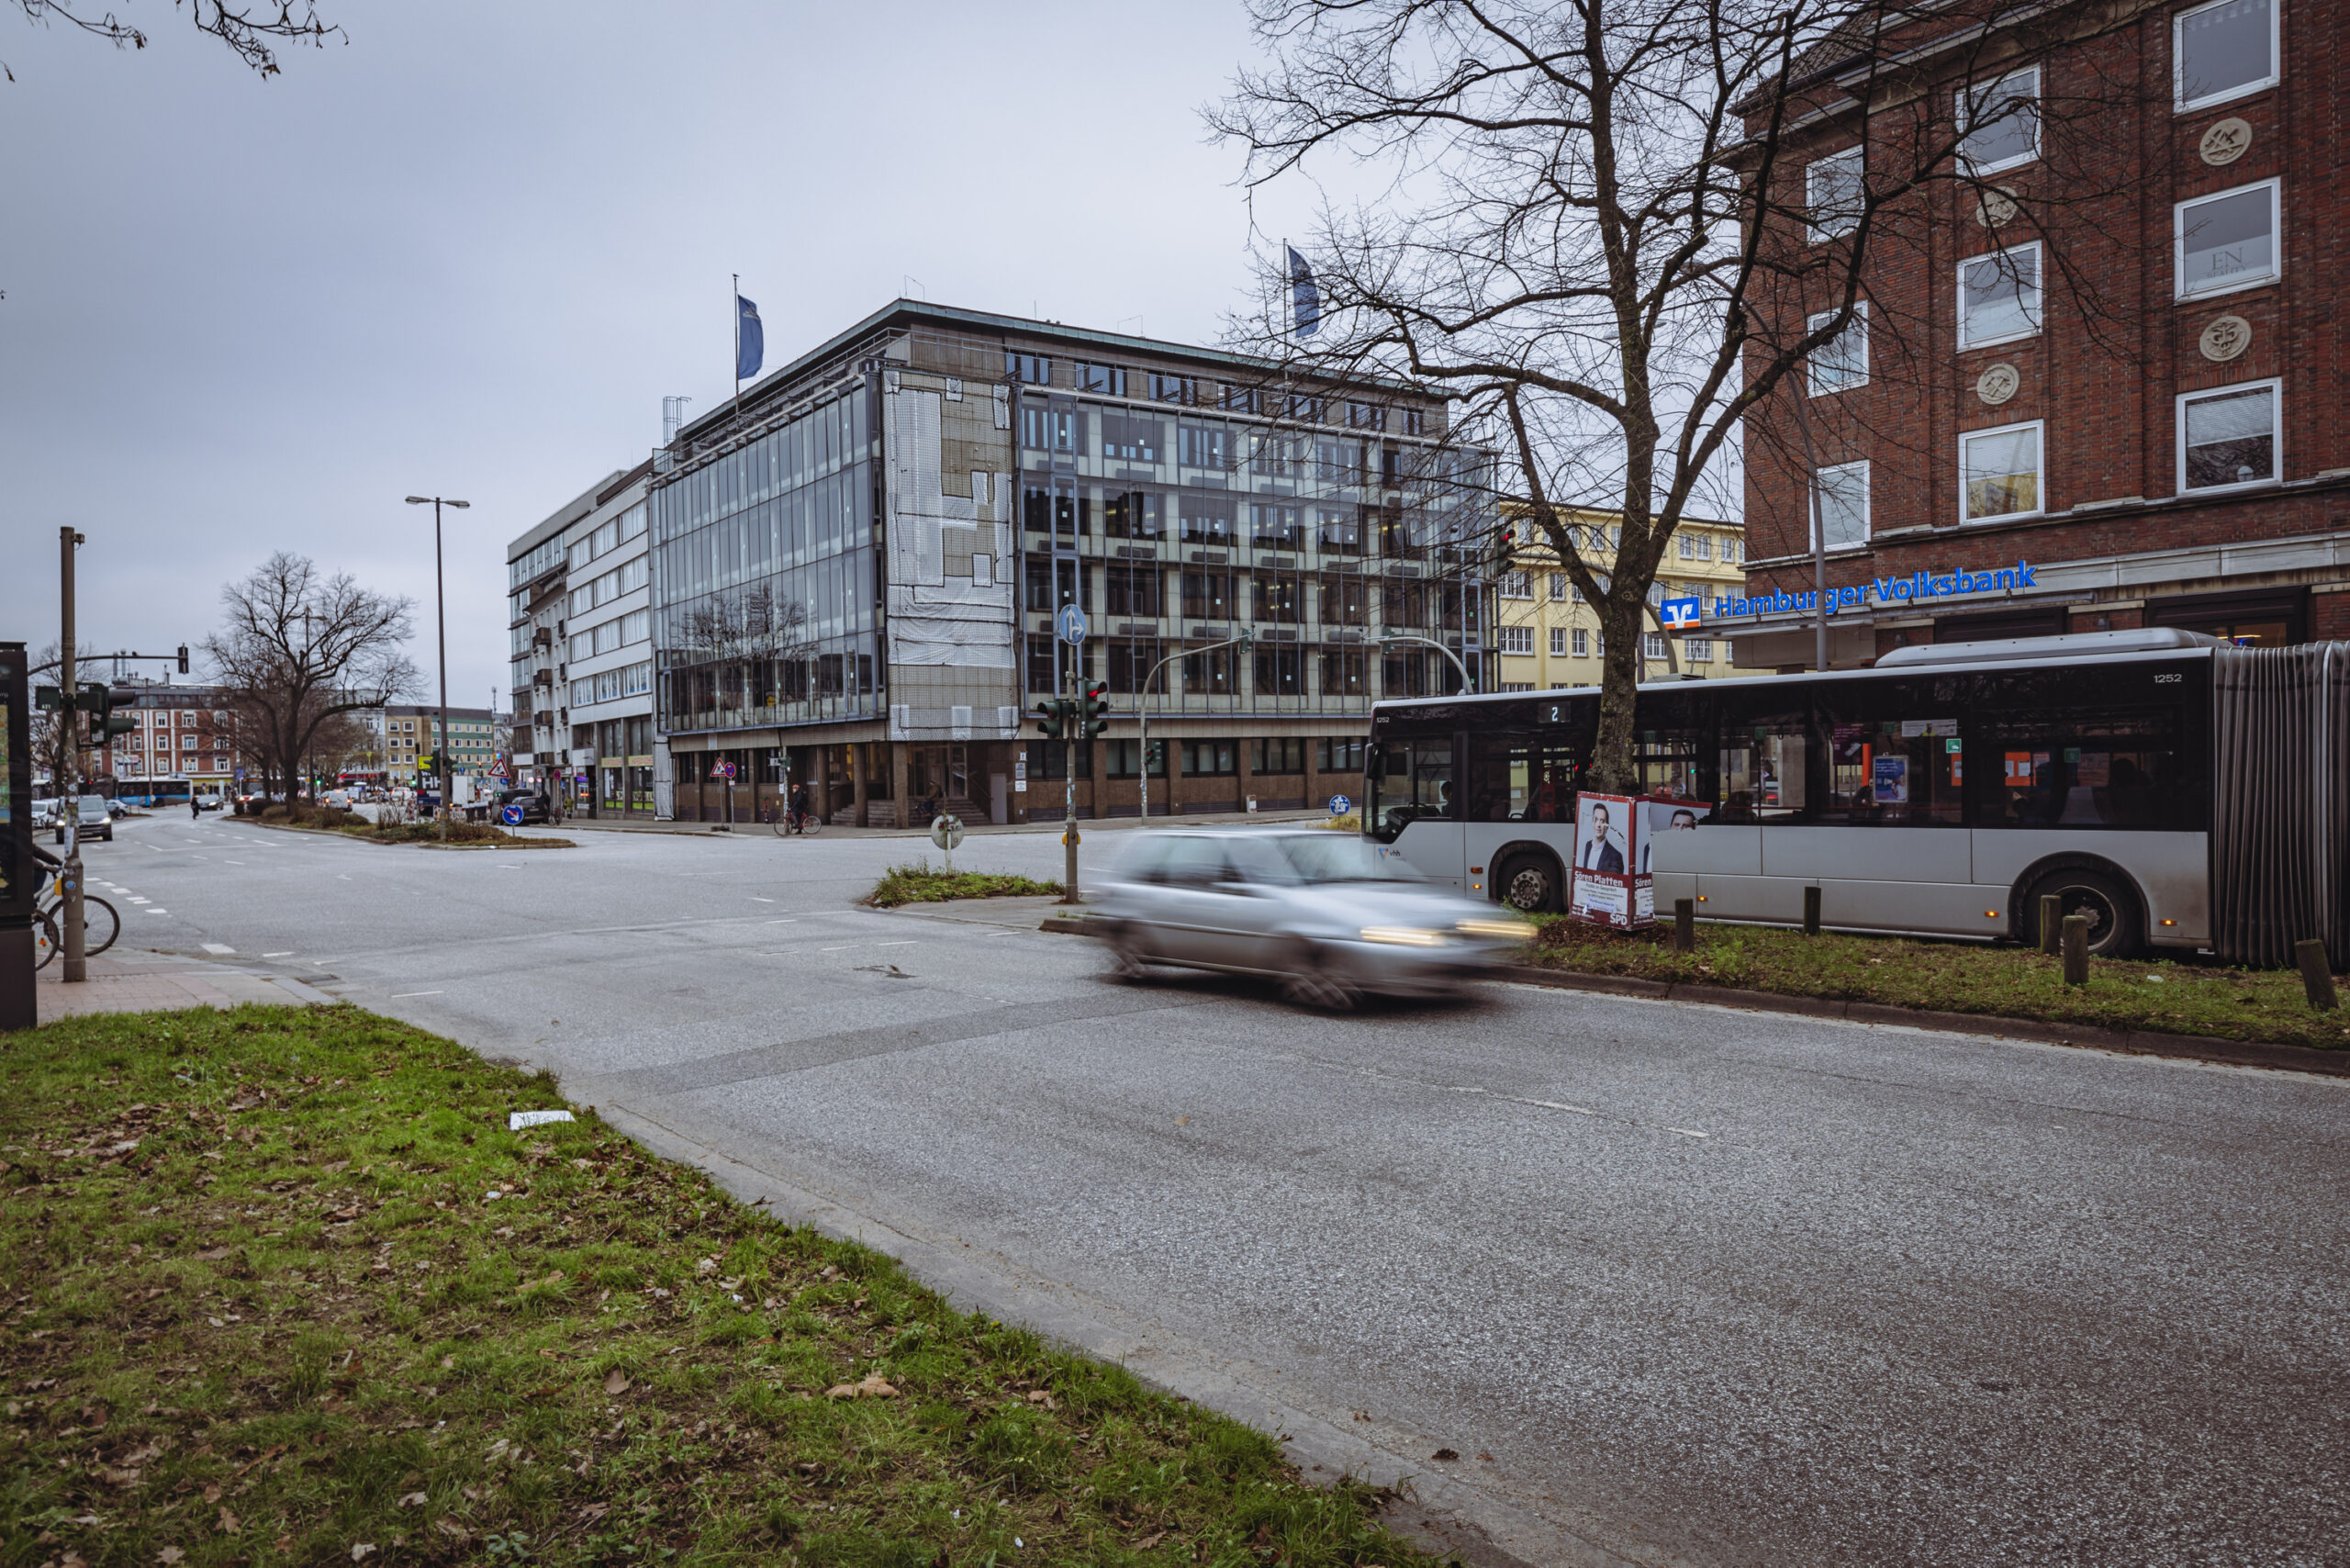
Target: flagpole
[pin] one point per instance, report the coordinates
(736, 306)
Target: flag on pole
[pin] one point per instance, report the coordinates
(749, 339)
(1304, 299)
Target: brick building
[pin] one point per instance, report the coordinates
(2162, 446)
(180, 733)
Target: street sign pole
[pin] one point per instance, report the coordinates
(1072, 623)
(69, 764)
(19, 880)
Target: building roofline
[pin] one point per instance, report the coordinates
(904, 312)
(563, 517)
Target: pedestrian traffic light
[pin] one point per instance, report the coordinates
(1094, 711)
(1052, 718)
(50, 699)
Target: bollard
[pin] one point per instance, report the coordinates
(2076, 949)
(2052, 917)
(1811, 912)
(2317, 975)
(1685, 925)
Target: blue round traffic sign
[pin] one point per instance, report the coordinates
(1339, 805)
(1071, 623)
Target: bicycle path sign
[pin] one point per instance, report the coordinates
(1071, 623)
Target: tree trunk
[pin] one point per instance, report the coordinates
(1613, 768)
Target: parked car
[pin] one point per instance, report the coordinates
(339, 798)
(1323, 912)
(536, 807)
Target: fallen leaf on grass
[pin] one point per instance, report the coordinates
(1153, 1539)
(616, 1383)
(591, 1512)
(1038, 1397)
(212, 1491)
(413, 1500)
(228, 1524)
(449, 1527)
(170, 1554)
(871, 1386)
(362, 1551)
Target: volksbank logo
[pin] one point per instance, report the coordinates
(1914, 589)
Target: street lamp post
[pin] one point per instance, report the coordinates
(1142, 713)
(1467, 686)
(441, 607)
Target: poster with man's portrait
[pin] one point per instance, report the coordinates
(1615, 848)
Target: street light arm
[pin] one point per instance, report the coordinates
(1467, 686)
(1142, 711)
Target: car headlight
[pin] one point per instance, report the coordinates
(1403, 935)
(1514, 930)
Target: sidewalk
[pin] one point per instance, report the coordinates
(830, 830)
(142, 983)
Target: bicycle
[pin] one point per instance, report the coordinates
(100, 919)
(787, 821)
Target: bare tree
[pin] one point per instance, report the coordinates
(254, 32)
(48, 727)
(1598, 235)
(299, 651)
(742, 652)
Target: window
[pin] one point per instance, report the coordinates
(1343, 676)
(1279, 598)
(1697, 650)
(1999, 122)
(1652, 645)
(1126, 758)
(1517, 639)
(1302, 409)
(1999, 473)
(1337, 757)
(1131, 663)
(1051, 430)
(1844, 497)
(1696, 547)
(1106, 379)
(1731, 549)
(1340, 529)
(1843, 361)
(2227, 241)
(636, 626)
(1200, 446)
(1209, 758)
(1280, 670)
(583, 645)
(1276, 528)
(1366, 417)
(1517, 585)
(1129, 439)
(1998, 297)
(1208, 595)
(1207, 519)
(2228, 437)
(1558, 587)
(1165, 388)
(1833, 194)
(1558, 642)
(1032, 368)
(1278, 755)
(2225, 50)
(1241, 400)
(1134, 590)
(1344, 599)
(1581, 642)
(1415, 422)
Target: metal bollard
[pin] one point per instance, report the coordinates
(2076, 949)
(1685, 925)
(2317, 974)
(2051, 917)
(1811, 912)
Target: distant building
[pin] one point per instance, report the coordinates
(413, 731)
(1547, 636)
(181, 733)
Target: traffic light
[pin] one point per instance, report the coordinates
(101, 703)
(1052, 718)
(50, 699)
(1094, 710)
(1504, 547)
(183, 658)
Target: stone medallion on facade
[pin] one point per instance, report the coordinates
(2225, 339)
(2226, 142)
(1998, 383)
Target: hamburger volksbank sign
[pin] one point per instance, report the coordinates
(1915, 590)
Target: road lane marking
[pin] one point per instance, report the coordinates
(154, 911)
(287, 954)
(215, 947)
(756, 899)
(404, 995)
(226, 859)
(1686, 1132)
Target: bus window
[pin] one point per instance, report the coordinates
(1763, 769)
(1671, 762)
(1894, 759)
(1412, 780)
(2081, 769)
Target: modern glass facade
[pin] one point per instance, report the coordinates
(765, 579)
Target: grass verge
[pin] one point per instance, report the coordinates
(1958, 977)
(282, 1288)
(470, 835)
(920, 884)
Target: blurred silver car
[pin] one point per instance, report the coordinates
(1325, 912)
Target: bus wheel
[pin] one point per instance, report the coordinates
(2112, 910)
(1529, 883)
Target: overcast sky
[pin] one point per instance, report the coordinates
(471, 249)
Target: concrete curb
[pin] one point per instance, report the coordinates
(2129, 1042)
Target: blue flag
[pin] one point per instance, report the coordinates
(1306, 300)
(749, 339)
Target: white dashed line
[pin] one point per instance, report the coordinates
(287, 954)
(155, 912)
(756, 899)
(403, 995)
(1686, 1132)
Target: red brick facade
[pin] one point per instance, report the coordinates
(2115, 539)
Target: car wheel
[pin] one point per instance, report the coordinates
(1530, 883)
(2115, 926)
(1313, 979)
(1127, 961)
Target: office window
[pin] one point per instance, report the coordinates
(1845, 506)
(1241, 400)
(1581, 640)
(1517, 639)
(2228, 437)
(2227, 241)
(1200, 446)
(1284, 754)
(1343, 676)
(1344, 601)
(1126, 439)
(1999, 473)
(1109, 380)
(1126, 758)
(1999, 122)
(1833, 194)
(1731, 550)
(1207, 519)
(1337, 757)
(1280, 670)
(1652, 645)
(1843, 361)
(2223, 51)
(1209, 758)
(1032, 368)
(1166, 389)
(1697, 650)
(1302, 408)
(1998, 297)
(1366, 417)
(1558, 587)
(1517, 585)
(1558, 642)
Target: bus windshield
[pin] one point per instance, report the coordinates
(1410, 781)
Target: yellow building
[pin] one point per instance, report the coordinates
(1549, 637)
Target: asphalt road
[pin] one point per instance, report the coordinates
(1707, 1286)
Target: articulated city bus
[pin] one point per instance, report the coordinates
(2181, 793)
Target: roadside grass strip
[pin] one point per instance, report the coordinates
(282, 1287)
(2163, 995)
(920, 884)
